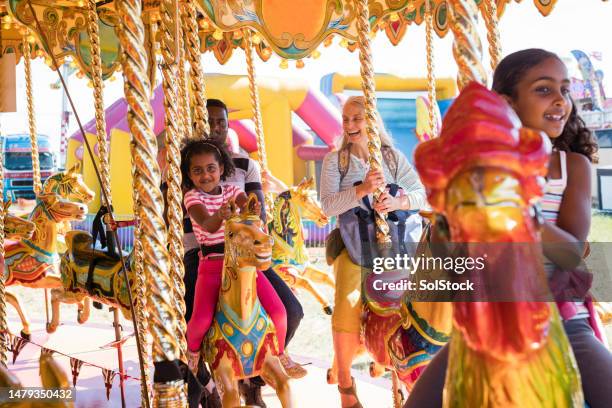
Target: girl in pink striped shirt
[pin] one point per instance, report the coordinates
(204, 163)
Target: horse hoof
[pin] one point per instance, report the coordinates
(331, 379)
(81, 320)
(25, 335)
(51, 328)
(97, 305)
(328, 310)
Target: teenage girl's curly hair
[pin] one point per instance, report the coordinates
(195, 147)
(576, 137)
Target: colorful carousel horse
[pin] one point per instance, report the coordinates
(34, 262)
(289, 254)
(242, 341)
(511, 353)
(89, 273)
(68, 185)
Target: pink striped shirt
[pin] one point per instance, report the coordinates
(212, 203)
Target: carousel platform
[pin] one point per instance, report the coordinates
(88, 343)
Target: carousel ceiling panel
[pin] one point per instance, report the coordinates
(64, 26)
(294, 29)
(291, 28)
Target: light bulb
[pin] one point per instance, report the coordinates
(284, 64)
(218, 35)
(315, 54)
(299, 64)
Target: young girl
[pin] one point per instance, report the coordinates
(204, 163)
(536, 84)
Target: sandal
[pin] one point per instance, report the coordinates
(293, 369)
(352, 390)
(193, 358)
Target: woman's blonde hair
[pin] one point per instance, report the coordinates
(385, 137)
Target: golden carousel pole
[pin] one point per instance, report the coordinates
(105, 179)
(492, 23)
(31, 117)
(467, 48)
(36, 182)
(140, 303)
(256, 106)
(431, 75)
(201, 128)
(3, 323)
(183, 93)
(169, 389)
(369, 92)
(170, 50)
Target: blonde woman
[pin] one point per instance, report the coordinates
(339, 194)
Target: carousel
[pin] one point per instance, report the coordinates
(140, 39)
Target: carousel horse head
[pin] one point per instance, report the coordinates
(304, 196)
(69, 184)
(16, 227)
(246, 243)
(60, 210)
(486, 188)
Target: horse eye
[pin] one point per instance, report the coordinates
(257, 242)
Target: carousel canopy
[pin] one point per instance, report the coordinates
(291, 29)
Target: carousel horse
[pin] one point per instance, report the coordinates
(511, 351)
(68, 185)
(17, 228)
(289, 254)
(403, 335)
(89, 273)
(33, 262)
(242, 343)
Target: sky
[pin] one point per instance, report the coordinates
(573, 24)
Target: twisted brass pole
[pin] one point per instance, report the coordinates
(163, 316)
(184, 110)
(196, 74)
(169, 40)
(3, 324)
(98, 89)
(492, 23)
(369, 92)
(256, 106)
(31, 116)
(431, 77)
(467, 48)
(140, 301)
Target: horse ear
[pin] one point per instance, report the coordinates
(309, 183)
(233, 207)
(76, 168)
(251, 210)
(7, 205)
